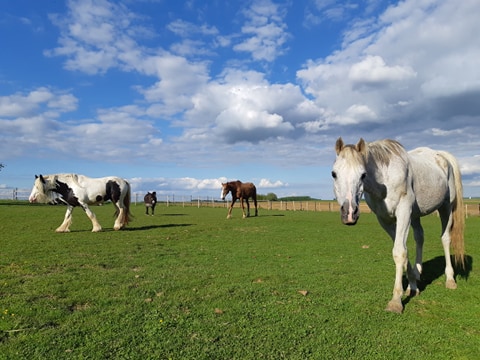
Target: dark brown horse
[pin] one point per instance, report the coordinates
(150, 201)
(242, 191)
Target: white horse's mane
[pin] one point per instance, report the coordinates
(382, 151)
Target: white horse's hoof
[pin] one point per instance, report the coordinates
(395, 306)
(451, 284)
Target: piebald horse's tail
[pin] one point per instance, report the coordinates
(127, 216)
(458, 213)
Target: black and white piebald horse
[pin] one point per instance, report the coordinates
(150, 201)
(78, 190)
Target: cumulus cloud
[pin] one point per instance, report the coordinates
(268, 184)
(183, 185)
(373, 71)
(409, 73)
(265, 30)
(403, 73)
(20, 105)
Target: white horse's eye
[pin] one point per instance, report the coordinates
(363, 176)
(334, 174)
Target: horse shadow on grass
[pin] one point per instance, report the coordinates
(138, 228)
(434, 269)
(149, 227)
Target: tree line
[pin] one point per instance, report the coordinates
(274, 197)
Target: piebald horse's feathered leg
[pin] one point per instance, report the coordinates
(96, 227)
(67, 221)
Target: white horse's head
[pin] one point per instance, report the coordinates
(41, 191)
(349, 171)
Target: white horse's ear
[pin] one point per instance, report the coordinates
(42, 179)
(361, 146)
(339, 145)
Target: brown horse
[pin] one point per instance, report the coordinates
(241, 191)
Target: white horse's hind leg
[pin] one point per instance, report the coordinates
(96, 227)
(446, 219)
(67, 221)
(419, 240)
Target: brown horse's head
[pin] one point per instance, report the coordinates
(226, 188)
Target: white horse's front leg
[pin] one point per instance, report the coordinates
(67, 221)
(400, 257)
(96, 226)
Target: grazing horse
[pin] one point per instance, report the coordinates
(150, 201)
(241, 191)
(78, 190)
(400, 187)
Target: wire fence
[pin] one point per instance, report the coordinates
(472, 208)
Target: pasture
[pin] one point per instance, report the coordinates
(189, 284)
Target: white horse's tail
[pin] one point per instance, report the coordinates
(458, 213)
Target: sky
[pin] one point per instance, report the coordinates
(179, 96)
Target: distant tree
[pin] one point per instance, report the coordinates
(271, 197)
(297, 198)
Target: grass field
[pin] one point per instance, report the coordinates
(189, 284)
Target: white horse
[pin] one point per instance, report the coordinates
(400, 187)
(78, 190)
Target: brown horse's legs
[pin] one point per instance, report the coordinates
(248, 207)
(255, 203)
(229, 215)
(243, 207)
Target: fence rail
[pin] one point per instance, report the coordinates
(472, 208)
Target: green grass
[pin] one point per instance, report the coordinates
(189, 284)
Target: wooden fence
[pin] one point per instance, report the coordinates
(472, 207)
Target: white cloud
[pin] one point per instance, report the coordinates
(19, 105)
(97, 36)
(410, 73)
(416, 54)
(374, 71)
(266, 183)
(265, 30)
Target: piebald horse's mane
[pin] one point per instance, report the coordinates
(68, 178)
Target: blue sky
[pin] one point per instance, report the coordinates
(178, 96)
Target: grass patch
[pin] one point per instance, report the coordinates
(189, 284)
